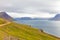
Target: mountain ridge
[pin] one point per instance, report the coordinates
(4, 15)
(29, 18)
(56, 18)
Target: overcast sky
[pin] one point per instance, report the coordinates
(43, 8)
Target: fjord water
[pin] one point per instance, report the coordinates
(51, 27)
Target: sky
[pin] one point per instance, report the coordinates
(31, 8)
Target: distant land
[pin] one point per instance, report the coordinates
(29, 18)
(56, 18)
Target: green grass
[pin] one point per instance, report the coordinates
(24, 32)
(2, 21)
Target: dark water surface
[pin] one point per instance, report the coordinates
(51, 27)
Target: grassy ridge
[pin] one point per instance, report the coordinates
(23, 32)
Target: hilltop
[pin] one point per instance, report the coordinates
(4, 15)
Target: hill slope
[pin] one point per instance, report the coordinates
(14, 31)
(2, 21)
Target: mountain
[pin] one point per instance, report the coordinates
(29, 18)
(4, 15)
(14, 31)
(56, 18)
(24, 18)
(40, 18)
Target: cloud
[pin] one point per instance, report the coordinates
(29, 6)
(32, 15)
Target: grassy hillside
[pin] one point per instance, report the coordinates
(2, 21)
(14, 31)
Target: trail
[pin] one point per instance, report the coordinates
(5, 24)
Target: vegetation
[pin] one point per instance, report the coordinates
(23, 32)
(2, 21)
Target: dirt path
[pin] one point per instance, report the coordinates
(5, 24)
